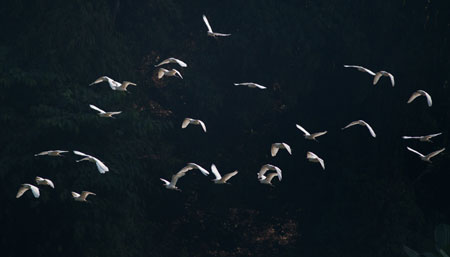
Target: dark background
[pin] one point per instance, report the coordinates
(373, 197)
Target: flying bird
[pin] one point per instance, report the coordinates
(192, 165)
(172, 60)
(421, 93)
(312, 157)
(172, 184)
(113, 84)
(219, 179)
(360, 68)
(250, 85)
(310, 136)
(81, 198)
(188, 121)
(102, 113)
(426, 138)
(382, 73)
(276, 146)
(210, 31)
(428, 156)
(25, 188)
(170, 73)
(52, 153)
(44, 182)
(362, 123)
(267, 179)
(100, 165)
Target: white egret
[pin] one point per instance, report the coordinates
(172, 184)
(312, 157)
(428, 156)
(426, 138)
(102, 113)
(170, 73)
(188, 121)
(310, 136)
(421, 93)
(81, 198)
(219, 179)
(264, 169)
(362, 123)
(52, 153)
(44, 182)
(276, 146)
(250, 85)
(210, 31)
(25, 188)
(100, 165)
(172, 60)
(382, 73)
(114, 85)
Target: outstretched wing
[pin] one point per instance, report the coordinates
(101, 166)
(302, 129)
(175, 177)
(215, 172)
(227, 176)
(274, 149)
(101, 79)
(96, 108)
(180, 62)
(35, 191)
(431, 155)
(186, 122)
(287, 147)
(318, 134)
(22, 190)
(85, 194)
(263, 170)
(221, 34)
(414, 151)
(80, 153)
(203, 125)
(370, 129)
(360, 68)
(161, 73)
(392, 79)
(178, 73)
(207, 23)
(377, 77)
(165, 181)
(353, 123)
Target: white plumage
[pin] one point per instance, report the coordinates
(210, 31)
(362, 123)
(421, 93)
(102, 113)
(428, 156)
(100, 165)
(26, 187)
(276, 146)
(310, 136)
(219, 179)
(188, 121)
(250, 85)
(172, 60)
(312, 157)
(114, 85)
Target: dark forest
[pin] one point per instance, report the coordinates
(374, 197)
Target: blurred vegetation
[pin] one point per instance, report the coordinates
(369, 199)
